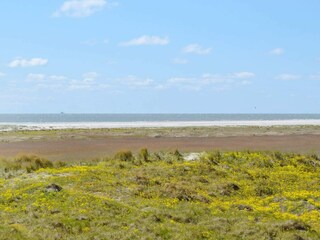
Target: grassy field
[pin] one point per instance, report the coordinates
(221, 195)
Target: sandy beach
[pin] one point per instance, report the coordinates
(72, 145)
(154, 124)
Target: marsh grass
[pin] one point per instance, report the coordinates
(223, 195)
(24, 163)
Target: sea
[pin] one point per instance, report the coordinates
(12, 122)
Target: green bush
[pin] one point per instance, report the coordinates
(177, 154)
(144, 155)
(262, 189)
(60, 164)
(126, 156)
(29, 163)
(33, 163)
(212, 157)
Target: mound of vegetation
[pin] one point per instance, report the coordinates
(221, 195)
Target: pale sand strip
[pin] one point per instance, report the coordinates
(98, 125)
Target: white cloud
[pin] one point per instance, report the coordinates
(79, 84)
(92, 81)
(244, 75)
(33, 62)
(185, 83)
(197, 49)
(288, 77)
(89, 77)
(32, 77)
(180, 61)
(80, 8)
(315, 77)
(146, 40)
(277, 51)
(208, 78)
(133, 81)
(245, 82)
(180, 80)
(88, 82)
(206, 81)
(42, 81)
(213, 81)
(57, 78)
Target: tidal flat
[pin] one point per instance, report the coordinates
(81, 144)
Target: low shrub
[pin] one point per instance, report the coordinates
(178, 155)
(212, 157)
(126, 156)
(144, 155)
(29, 163)
(60, 164)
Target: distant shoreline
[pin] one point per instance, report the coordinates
(158, 124)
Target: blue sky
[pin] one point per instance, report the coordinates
(195, 56)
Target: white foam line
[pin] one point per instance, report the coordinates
(95, 125)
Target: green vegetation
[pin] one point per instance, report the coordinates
(124, 156)
(222, 195)
(25, 163)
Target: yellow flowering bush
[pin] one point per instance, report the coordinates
(222, 195)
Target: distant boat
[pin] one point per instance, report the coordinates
(61, 112)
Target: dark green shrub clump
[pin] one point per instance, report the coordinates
(126, 156)
(178, 155)
(212, 157)
(60, 164)
(144, 155)
(262, 189)
(29, 163)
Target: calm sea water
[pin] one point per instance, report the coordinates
(98, 118)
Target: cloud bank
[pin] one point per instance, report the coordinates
(197, 49)
(33, 62)
(146, 40)
(80, 8)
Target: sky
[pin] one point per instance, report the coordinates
(142, 56)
